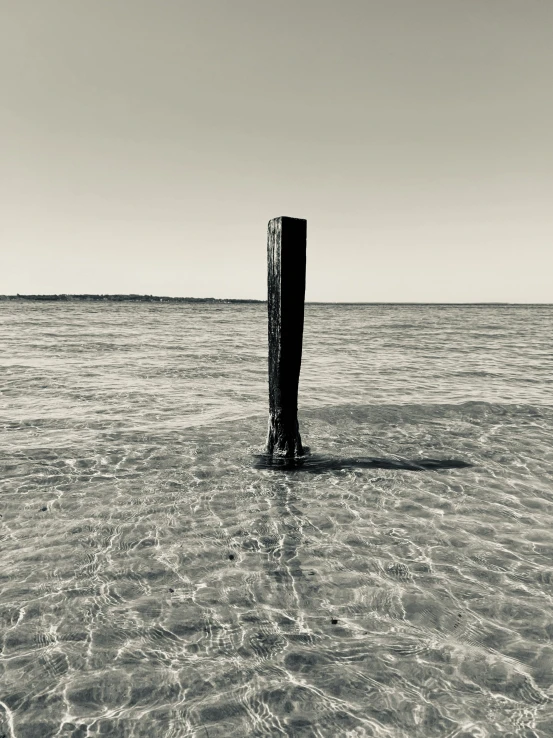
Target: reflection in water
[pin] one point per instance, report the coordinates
(318, 463)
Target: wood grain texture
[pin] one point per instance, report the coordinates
(286, 254)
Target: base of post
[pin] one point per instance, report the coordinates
(284, 438)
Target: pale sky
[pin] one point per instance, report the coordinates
(144, 145)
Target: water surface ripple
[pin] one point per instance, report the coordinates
(159, 579)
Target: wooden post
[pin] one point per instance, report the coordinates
(286, 242)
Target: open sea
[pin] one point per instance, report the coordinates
(159, 580)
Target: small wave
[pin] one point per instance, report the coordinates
(480, 373)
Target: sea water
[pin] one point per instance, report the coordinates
(158, 580)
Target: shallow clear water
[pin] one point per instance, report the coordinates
(156, 582)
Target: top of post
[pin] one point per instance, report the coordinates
(287, 217)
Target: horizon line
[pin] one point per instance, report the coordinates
(134, 297)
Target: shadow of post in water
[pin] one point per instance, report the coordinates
(318, 464)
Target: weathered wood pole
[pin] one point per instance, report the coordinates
(286, 245)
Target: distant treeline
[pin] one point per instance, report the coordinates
(117, 298)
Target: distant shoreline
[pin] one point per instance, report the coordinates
(223, 300)
(118, 298)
